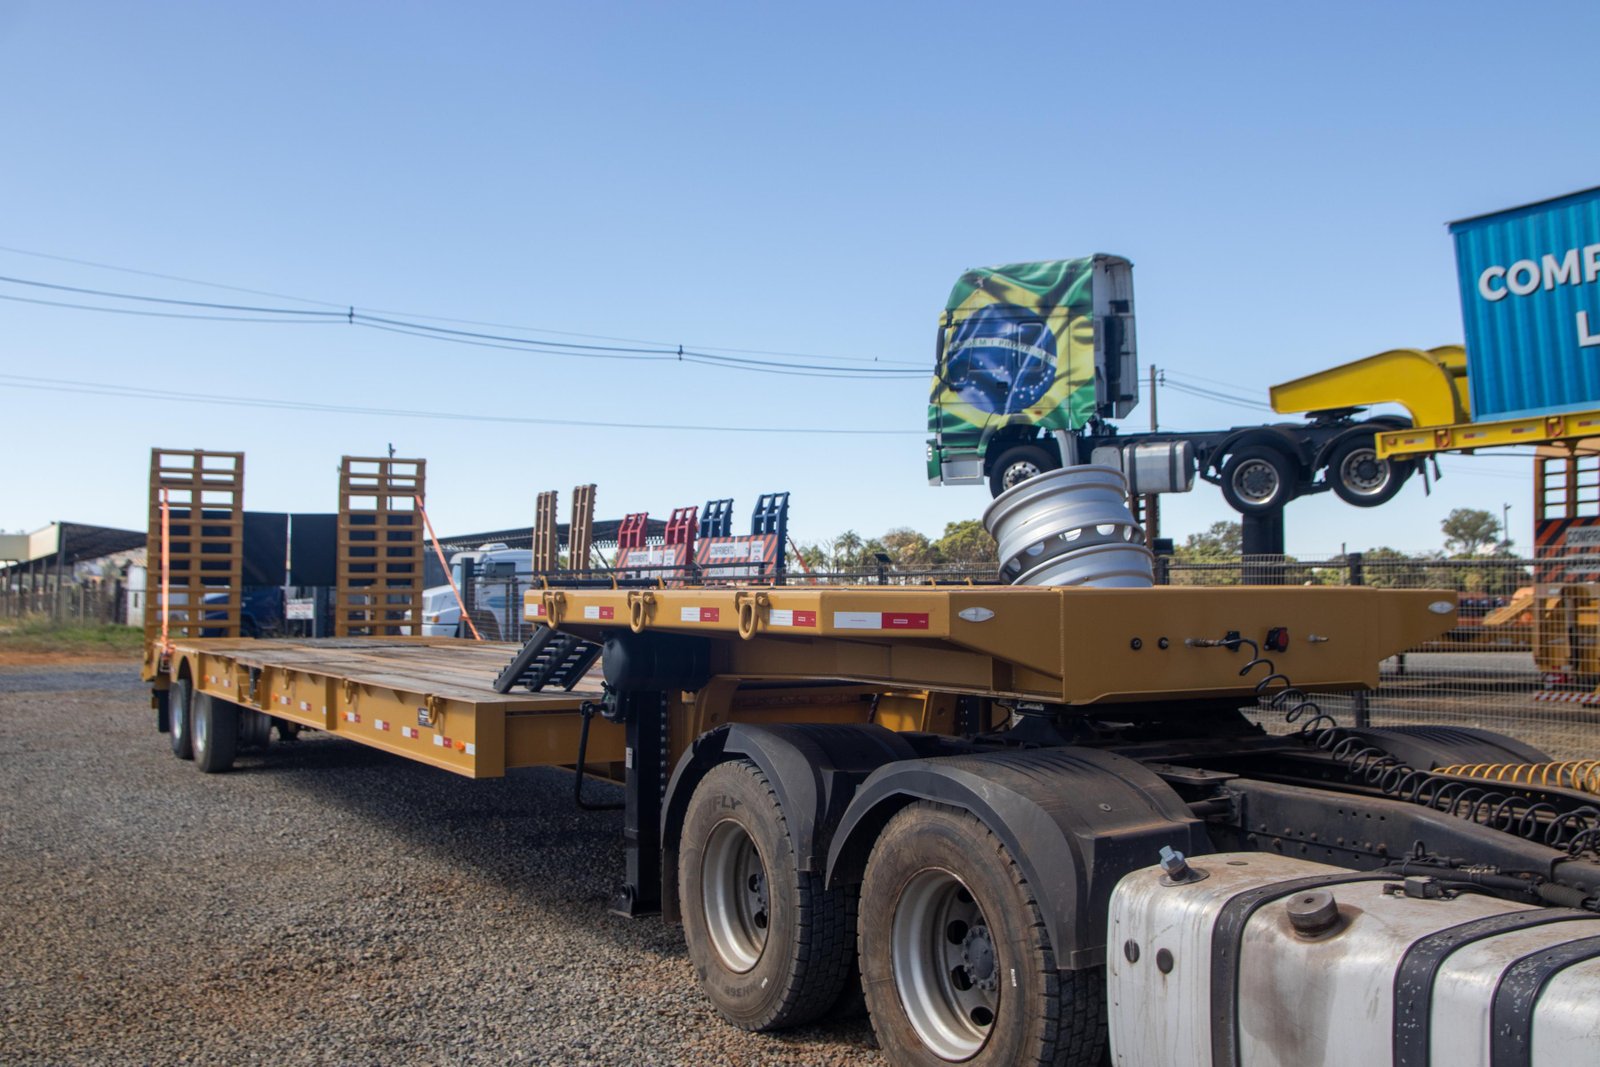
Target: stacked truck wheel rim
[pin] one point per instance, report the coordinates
(1070, 527)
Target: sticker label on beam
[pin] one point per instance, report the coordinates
(880, 620)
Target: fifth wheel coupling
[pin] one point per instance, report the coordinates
(1070, 527)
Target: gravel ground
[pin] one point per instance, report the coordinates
(322, 903)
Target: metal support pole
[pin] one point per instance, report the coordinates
(61, 561)
(646, 731)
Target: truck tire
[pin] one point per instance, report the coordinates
(1359, 477)
(955, 959)
(1258, 479)
(1017, 464)
(770, 945)
(216, 732)
(178, 718)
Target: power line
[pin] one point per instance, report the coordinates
(439, 318)
(167, 314)
(67, 385)
(351, 316)
(1218, 397)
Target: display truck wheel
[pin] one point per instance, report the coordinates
(770, 946)
(1257, 479)
(1359, 477)
(1016, 465)
(179, 698)
(955, 959)
(215, 726)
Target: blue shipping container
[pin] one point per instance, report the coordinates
(1530, 298)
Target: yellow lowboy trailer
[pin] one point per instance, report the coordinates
(1021, 822)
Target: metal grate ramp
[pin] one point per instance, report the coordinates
(548, 658)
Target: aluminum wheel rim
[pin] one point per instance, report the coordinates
(1350, 472)
(1018, 472)
(1257, 481)
(945, 967)
(734, 884)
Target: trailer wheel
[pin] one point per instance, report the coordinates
(1016, 465)
(1257, 479)
(771, 947)
(216, 732)
(955, 960)
(1359, 477)
(178, 718)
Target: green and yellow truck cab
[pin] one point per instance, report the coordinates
(1029, 355)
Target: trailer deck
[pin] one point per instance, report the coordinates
(425, 698)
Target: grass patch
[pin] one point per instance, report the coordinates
(42, 635)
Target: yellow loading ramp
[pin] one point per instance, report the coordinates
(1066, 645)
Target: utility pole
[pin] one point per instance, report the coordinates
(1505, 524)
(1152, 501)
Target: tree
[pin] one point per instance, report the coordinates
(847, 551)
(1219, 544)
(968, 544)
(1469, 530)
(909, 549)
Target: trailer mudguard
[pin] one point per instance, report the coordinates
(1075, 820)
(1427, 747)
(813, 768)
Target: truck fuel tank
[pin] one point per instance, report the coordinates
(1262, 960)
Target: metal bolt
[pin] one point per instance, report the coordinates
(1173, 862)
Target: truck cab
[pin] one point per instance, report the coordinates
(497, 575)
(1028, 355)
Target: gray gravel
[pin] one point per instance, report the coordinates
(322, 903)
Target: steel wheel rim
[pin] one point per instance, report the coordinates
(1018, 472)
(734, 885)
(946, 970)
(197, 732)
(1257, 481)
(1350, 472)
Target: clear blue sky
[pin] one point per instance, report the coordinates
(798, 178)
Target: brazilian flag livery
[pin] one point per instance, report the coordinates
(1016, 346)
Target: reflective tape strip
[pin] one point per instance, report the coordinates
(408, 731)
(880, 620)
(472, 749)
(305, 705)
(599, 611)
(441, 741)
(379, 724)
(699, 614)
(1553, 696)
(791, 617)
(351, 716)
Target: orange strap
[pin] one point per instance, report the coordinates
(476, 636)
(166, 569)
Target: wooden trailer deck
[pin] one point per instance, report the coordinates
(426, 698)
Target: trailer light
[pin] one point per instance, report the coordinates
(1278, 639)
(461, 746)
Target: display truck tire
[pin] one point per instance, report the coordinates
(770, 946)
(955, 958)
(179, 698)
(1360, 478)
(215, 726)
(1258, 479)
(1017, 464)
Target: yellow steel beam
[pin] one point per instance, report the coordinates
(1567, 427)
(1071, 645)
(1431, 385)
